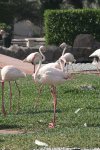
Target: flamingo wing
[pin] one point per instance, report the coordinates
(11, 73)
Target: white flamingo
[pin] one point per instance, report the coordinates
(96, 54)
(53, 77)
(44, 68)
(68, 56)
(10, 73)
(54, 64)
(30, 56)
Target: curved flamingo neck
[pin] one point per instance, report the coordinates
(64, 51)
(43, 59)
(37, 70)
(61, 65)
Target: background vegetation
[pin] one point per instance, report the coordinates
(64, 25)
(33, 9)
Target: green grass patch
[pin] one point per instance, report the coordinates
(69, 130)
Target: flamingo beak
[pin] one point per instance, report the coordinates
(44, 51)
(24, 60)
(72, 79)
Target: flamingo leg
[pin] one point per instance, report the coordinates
(18, 95)
(3, 109)
(67, 68)
(10, 97)
(97, 67)
(55, 102)
(51, 91)
(72, 68)
(38, 96)
(34, 69)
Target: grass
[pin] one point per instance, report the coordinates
(33, 122)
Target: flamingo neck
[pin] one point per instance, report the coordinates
(36, 80)
(64, 51)
(61, 65)
(43, 57)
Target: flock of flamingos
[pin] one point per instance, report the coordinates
(50, 74)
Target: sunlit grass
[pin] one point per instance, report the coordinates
(33, 122)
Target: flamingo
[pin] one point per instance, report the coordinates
(30, 56)
(53, 77)
(44, 68)
(56, 64)
(10, 73)
(68, 56)
(96, 54)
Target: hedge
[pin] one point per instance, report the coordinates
(65, 25)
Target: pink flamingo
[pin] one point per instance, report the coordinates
(68, 56)
(10, 73)
(57, 65)
(53, 77)
(96, 54)
(30, 56)
(54, 64)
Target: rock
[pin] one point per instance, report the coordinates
(1, 50)
(14, 47)
(57, 54)
(50, 51)
(20, 54)
(84, 45)
(84, 40)
(82, 54)
(87, 87)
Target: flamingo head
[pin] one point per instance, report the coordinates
(74, 61)
(63, 45)
(43, 48)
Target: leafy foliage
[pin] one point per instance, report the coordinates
(65, 25)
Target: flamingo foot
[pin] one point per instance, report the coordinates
(17, 108)
(34, 106)
(51, 125)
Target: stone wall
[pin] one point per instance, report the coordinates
(83, 46)
(52, 53)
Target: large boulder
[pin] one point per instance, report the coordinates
(84, 45)
(86, 40)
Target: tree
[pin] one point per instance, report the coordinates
(79, 4)
(95, 4)
(50, 4)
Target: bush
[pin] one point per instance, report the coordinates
(65, 25)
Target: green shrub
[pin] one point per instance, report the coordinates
(65, 25)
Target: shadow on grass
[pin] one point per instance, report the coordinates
(39, 112)
(2, 140)
(5, 126)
